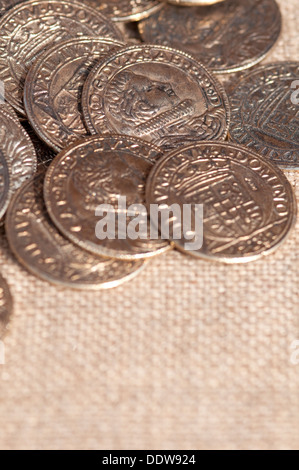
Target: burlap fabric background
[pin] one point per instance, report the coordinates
(188, 355)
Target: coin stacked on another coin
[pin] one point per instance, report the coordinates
(115, 105)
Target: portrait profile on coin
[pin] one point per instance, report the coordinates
(168, 102)
(154, 107)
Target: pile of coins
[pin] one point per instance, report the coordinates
(106, 100)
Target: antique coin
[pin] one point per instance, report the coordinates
(44, 153)
(126, 10)
(4, 106)
(96, 172)
(39, 246)
(53, 87)
(130, 33)
(159, 94)
(17, 148)
(7, 4)
(5, 306)
(248, 204)
(265, 112)
(29, 28)
(226, 37)
(193, 3)
(5, 183)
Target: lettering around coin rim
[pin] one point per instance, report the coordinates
(30, 27)
(249, 206)
(265, 112)
(53, 87)
(156, 93)
(41, 249)
(94, 173)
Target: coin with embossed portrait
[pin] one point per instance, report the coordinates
(126, 10)
(226, 37)
(265, 112)
(98, 175)
(29, 28)
(156, 93)
(53, 87)
(6, 305)
(17, 148)
(248, 204)
(39, 246)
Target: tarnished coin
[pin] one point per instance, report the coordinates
(96, 174)
(4, 106)
(126, 10)
(226, 37)
(130, 33)
(265, 112)
(248, 204)
(7, 4)
(29, 28)
(5, 307)
(44, 153)
(53, 87)
(159, 94)
(17, 148)
(193, 3)
(39, 246)
(5, 183)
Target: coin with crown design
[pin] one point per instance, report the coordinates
(265, 112)
(249, 207)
